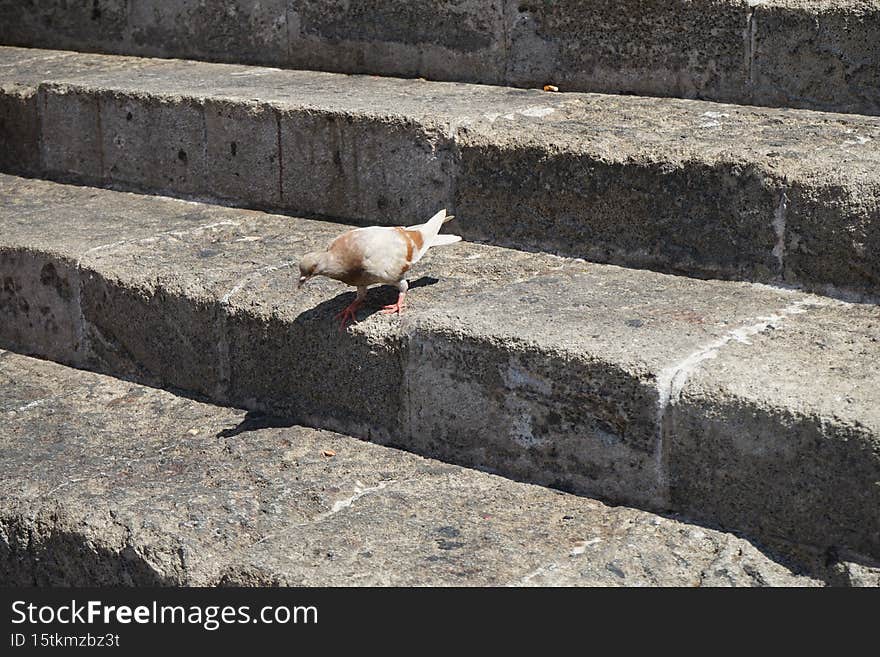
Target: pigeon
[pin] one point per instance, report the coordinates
(377, 254)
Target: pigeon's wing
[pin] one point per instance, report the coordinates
(373, 255)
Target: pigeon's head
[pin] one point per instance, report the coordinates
(309, 266)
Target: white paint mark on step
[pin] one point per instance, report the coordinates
(671, 380)
(157, 236)
(254, 73)
(198, 229)
(582, 546)
(359, 492)
(538, 112)
(224, 300)
(779, 230)
(538, 572)
(33, 404)
(715, 119)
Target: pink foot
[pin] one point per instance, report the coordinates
(349, 314)
(394, 307)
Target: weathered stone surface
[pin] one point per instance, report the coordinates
(84, 222)
(24, 113)
(42, 290)
(282, 358)
(542, 368)
(98, 25)
(437, 39)
(109, 482)
(19, 131)
(709, 218)
(815, 54)
(726, 192)
(821, 54)
(40, 305)
(561, 367)
(355, 166)
(832, 234)
(220, 30)
(453, 535)
(243, 152)
(75, 152)
(679, 186)
(153, 143)
(648, 48)
(747, 419)
(31, 65)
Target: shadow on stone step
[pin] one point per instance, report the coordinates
(254, 421)
(303, 368)
(376, 299)
(64, 558)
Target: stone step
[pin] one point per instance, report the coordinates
(687, 187)
(107, 482)
(743, 405)
(817, 55)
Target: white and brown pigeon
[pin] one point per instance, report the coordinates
(377, 254)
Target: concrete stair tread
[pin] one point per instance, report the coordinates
(679, 186)
(642, 388)
(109, 482)
(687, 128)
(817, 54)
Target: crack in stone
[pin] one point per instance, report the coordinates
(287, 44)
(79, 323)
(779, 217)
(254, 275)
(750, 38)
(76, 480)
(100, 135)
(508, 12)
(224, 365)
(339, 505)
(537, 572)
(360, 492)
(33, 404)
(157, 236)
(277, 113)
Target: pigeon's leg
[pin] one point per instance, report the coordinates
(349, 313)
(398, 307)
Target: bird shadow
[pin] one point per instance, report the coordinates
(375, 300)
(255, 420)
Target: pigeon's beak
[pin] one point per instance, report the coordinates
(302, 281)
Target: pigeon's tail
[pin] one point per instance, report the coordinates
(429, 232)
(432, 226)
